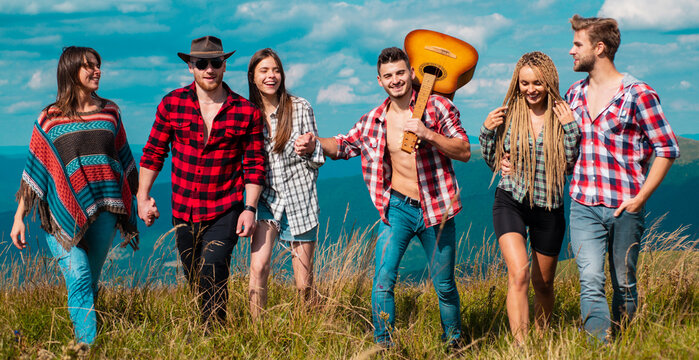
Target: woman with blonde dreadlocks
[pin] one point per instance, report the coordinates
(534, 140)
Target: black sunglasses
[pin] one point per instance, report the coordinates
(202, 64)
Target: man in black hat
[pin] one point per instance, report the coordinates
(217, 152)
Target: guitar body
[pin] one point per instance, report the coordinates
(442, 63)
(454, 59)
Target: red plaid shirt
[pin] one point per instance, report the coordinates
(616, 147)
(207, 178)
(436, 178)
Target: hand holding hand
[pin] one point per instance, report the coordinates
(246, 224)
(305, 144)
(563, 112)
(17, 234)
(495, 118)
(505, 166)
(147, 210)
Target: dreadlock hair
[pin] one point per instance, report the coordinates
(518, 120)
(284, 111)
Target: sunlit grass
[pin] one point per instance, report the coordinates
(146, 319)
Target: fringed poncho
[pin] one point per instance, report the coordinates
(78, 168)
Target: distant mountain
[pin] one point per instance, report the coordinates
(345, 205)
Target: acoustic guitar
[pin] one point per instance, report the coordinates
(442, 63)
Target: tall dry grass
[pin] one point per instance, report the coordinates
(142, 317)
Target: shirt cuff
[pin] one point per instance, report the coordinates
(487, 132)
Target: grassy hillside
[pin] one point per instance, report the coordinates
(146, 320)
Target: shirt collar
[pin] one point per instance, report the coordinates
(381, 110)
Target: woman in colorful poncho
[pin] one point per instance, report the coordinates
(80, 177)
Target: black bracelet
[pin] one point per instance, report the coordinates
(250, 208)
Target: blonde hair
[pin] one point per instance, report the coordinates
(518, 120)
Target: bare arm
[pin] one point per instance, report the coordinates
(656, 175)
(306, 144)
(455, 148)
(18, 227)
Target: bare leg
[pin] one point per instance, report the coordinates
(543, 272)
(260, 254)
(302, 262)
(514, 251)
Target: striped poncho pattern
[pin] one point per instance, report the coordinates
(78, 168)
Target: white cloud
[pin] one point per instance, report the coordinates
(684, 106)
(33, 7)
(43, 40)
(684, 85)
(651, 48)
(22, 105)
(295, 74)
(337, 94)
(482, 29)
(652, 14)
(495, 69)
(40, 80)
(542, 4)
(119, 25)
(4, 82)
(346, 72)
(485, 87)
(688, 39)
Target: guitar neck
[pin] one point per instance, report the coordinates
(424, 94)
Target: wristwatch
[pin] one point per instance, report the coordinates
(250, 208)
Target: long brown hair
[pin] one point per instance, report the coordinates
(518, 120)
(69, 64)
(284, 111)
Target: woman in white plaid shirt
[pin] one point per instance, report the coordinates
(288, 206)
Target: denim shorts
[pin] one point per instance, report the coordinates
(265, 214)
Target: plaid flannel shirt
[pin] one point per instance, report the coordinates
(435, 175)
(519, 187)
(616, 147)
(207, 178)
(290, 184)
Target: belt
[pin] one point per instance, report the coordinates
(411, 201)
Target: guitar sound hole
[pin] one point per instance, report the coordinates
(429, 69)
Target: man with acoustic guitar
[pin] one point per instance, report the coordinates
(415, 193)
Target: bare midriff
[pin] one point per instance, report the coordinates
(404, 171)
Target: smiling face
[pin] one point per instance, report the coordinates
(532, 88)
(208, 79)
(267, 77)
(89, 73)
(583, 52)
(396, 78)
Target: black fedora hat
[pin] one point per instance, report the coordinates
(207, 47)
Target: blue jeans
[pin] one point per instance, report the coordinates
(594, 231)
(406, 221)
(81, 270)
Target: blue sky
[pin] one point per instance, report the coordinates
(329, 50)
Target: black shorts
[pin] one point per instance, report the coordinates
(546, 227)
